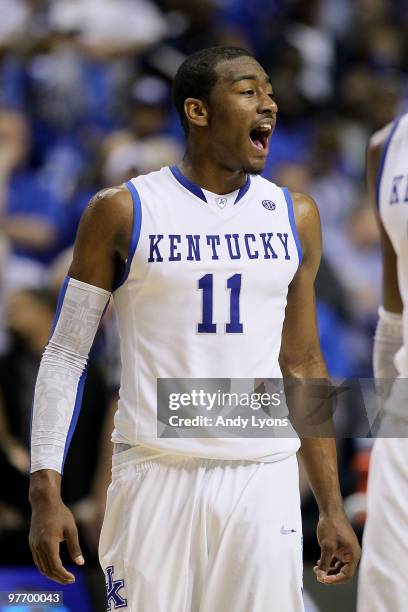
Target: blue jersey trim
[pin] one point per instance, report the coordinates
(382, 161)
(243, 189)
(75, 415)
(183, 180)
(292, 222)
(136, 226)
(197, 191)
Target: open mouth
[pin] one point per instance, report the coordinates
(260, 136)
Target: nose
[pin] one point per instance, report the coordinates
(267, 105)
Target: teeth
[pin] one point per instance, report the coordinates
(263, 128)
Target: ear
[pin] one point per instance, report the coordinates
(196, 112)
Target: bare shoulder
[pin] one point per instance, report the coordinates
(374, 150)
(373, 161)
(103, 236)
(110, 204)
(109, 215)
(306, 215)
(308, 226)
(378, 139)
(305, 208)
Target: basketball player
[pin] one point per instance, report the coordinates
(211, 269)
(383, 583)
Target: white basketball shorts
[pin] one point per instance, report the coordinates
(383, 582)
(202, 535)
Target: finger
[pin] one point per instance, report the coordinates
(320, 574)
(41, 560)
(74, 548)
(58, 573)
(326, 556)
(37, 561)
(55, 570)
(343, 575)
(335, 565)
(339, 578)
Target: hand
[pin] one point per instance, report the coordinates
(51, 523)
(340, 550)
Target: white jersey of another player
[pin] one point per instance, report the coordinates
(203, 296)
(382, 579)
(392, 198)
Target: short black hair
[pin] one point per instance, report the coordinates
(196, 76)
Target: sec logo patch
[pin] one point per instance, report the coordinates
(268, 204)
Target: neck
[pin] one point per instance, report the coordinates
(201, 168)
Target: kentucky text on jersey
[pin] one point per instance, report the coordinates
(194, 247)
(399, 189)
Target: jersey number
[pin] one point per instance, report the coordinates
(207, 326)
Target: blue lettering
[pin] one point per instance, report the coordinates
(193, 247)
(394, 199)
(237, 254)
(267, 246)
(154, 247)
(251, 255)
(112, 591)
(284, 240)
(406, 191)
(175, 239)
(213, 240)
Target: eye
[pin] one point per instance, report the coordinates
(247, 92)
(271, 95)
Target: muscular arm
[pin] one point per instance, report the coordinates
(388, 334)
(102, 242)
(301, 359)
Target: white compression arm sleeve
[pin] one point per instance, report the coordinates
(387, 342)
(61, 377)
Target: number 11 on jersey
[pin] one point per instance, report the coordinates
(207, 326)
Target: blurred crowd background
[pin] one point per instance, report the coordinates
(85, 102)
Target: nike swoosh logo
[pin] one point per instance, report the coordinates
(286, 531)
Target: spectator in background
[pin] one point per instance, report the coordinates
(355, 258)
(30, 313)
(146, 145)
(317, 50)
(79, 76)
(295, 126)
(366, 101)
(149, 106)
(14, 20)
(107, 28)
(193, 24)
(330, 186)
(30, 217)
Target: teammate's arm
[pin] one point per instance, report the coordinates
(101, 247)
(301, 359)
(388, 335)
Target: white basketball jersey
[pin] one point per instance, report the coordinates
(203, 296)
(392, 199)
